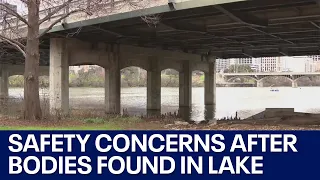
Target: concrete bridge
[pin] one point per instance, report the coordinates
(259, 77)
(189, 36)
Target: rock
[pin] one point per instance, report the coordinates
(181, 123)
(212, 122)
(167, 126)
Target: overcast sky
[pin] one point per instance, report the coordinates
(19, 4)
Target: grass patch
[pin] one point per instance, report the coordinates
(111, 123)
(105, 127)
(94, 120)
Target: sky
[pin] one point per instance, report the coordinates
(19, 4)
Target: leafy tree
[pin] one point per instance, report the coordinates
(170, 72)
(239, 68)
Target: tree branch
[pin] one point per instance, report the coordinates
(58, 20)
(55, 11)
(15, 44)
(13, 13)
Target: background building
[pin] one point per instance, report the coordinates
(241, 61)
(270, 64)
(315, 64)
(274, 64)
(222, 64)
(298, 64)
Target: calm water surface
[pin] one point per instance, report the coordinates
(245, 101)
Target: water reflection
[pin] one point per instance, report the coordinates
(153, 113)
(189, 113)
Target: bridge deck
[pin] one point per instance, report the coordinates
(255, 28)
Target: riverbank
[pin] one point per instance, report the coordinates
(135, 123)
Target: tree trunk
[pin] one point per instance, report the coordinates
(32, 108)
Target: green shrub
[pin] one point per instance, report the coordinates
(18, 81)
(94, 120)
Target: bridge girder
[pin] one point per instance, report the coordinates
(297, 77)
(235, 77)
(260, 77)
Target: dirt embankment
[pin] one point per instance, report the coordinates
(288, 123)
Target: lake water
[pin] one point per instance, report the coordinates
(244, 101)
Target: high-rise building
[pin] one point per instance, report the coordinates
(222, 64)
(315, 58)
(315, 63)
(274, 64)
(254, 63)
(242, 61)
(270, 64)
(245, 61)
(297, 64)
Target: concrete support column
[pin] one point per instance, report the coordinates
(112, 90)
(185, 85)
(4, 81)
(210, 85)
(59, 77)
(294, 84)
(154, 85)
(113, 81)
(259, 83)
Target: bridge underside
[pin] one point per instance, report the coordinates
(256, 28)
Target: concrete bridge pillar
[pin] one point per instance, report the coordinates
(154, 85)
(210, 86)
(59, 77)
(294, 84)
(4, 82)
(259, 83)
(185, 85)
(113, 83)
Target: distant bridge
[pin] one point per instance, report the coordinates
(259, 77)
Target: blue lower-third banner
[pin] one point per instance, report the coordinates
(159, 154)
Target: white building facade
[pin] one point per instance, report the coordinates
(274, 64)
(222, 64)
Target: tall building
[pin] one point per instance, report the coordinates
(274, 64)
(241, 61)
(297, 64)
(254, 63)
(245, 61)
(315, 58)
(270, 64)
(222, 64)
(315, 63)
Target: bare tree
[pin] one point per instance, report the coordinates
(24, 28)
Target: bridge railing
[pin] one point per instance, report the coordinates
(271, 73)
(107, 8)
